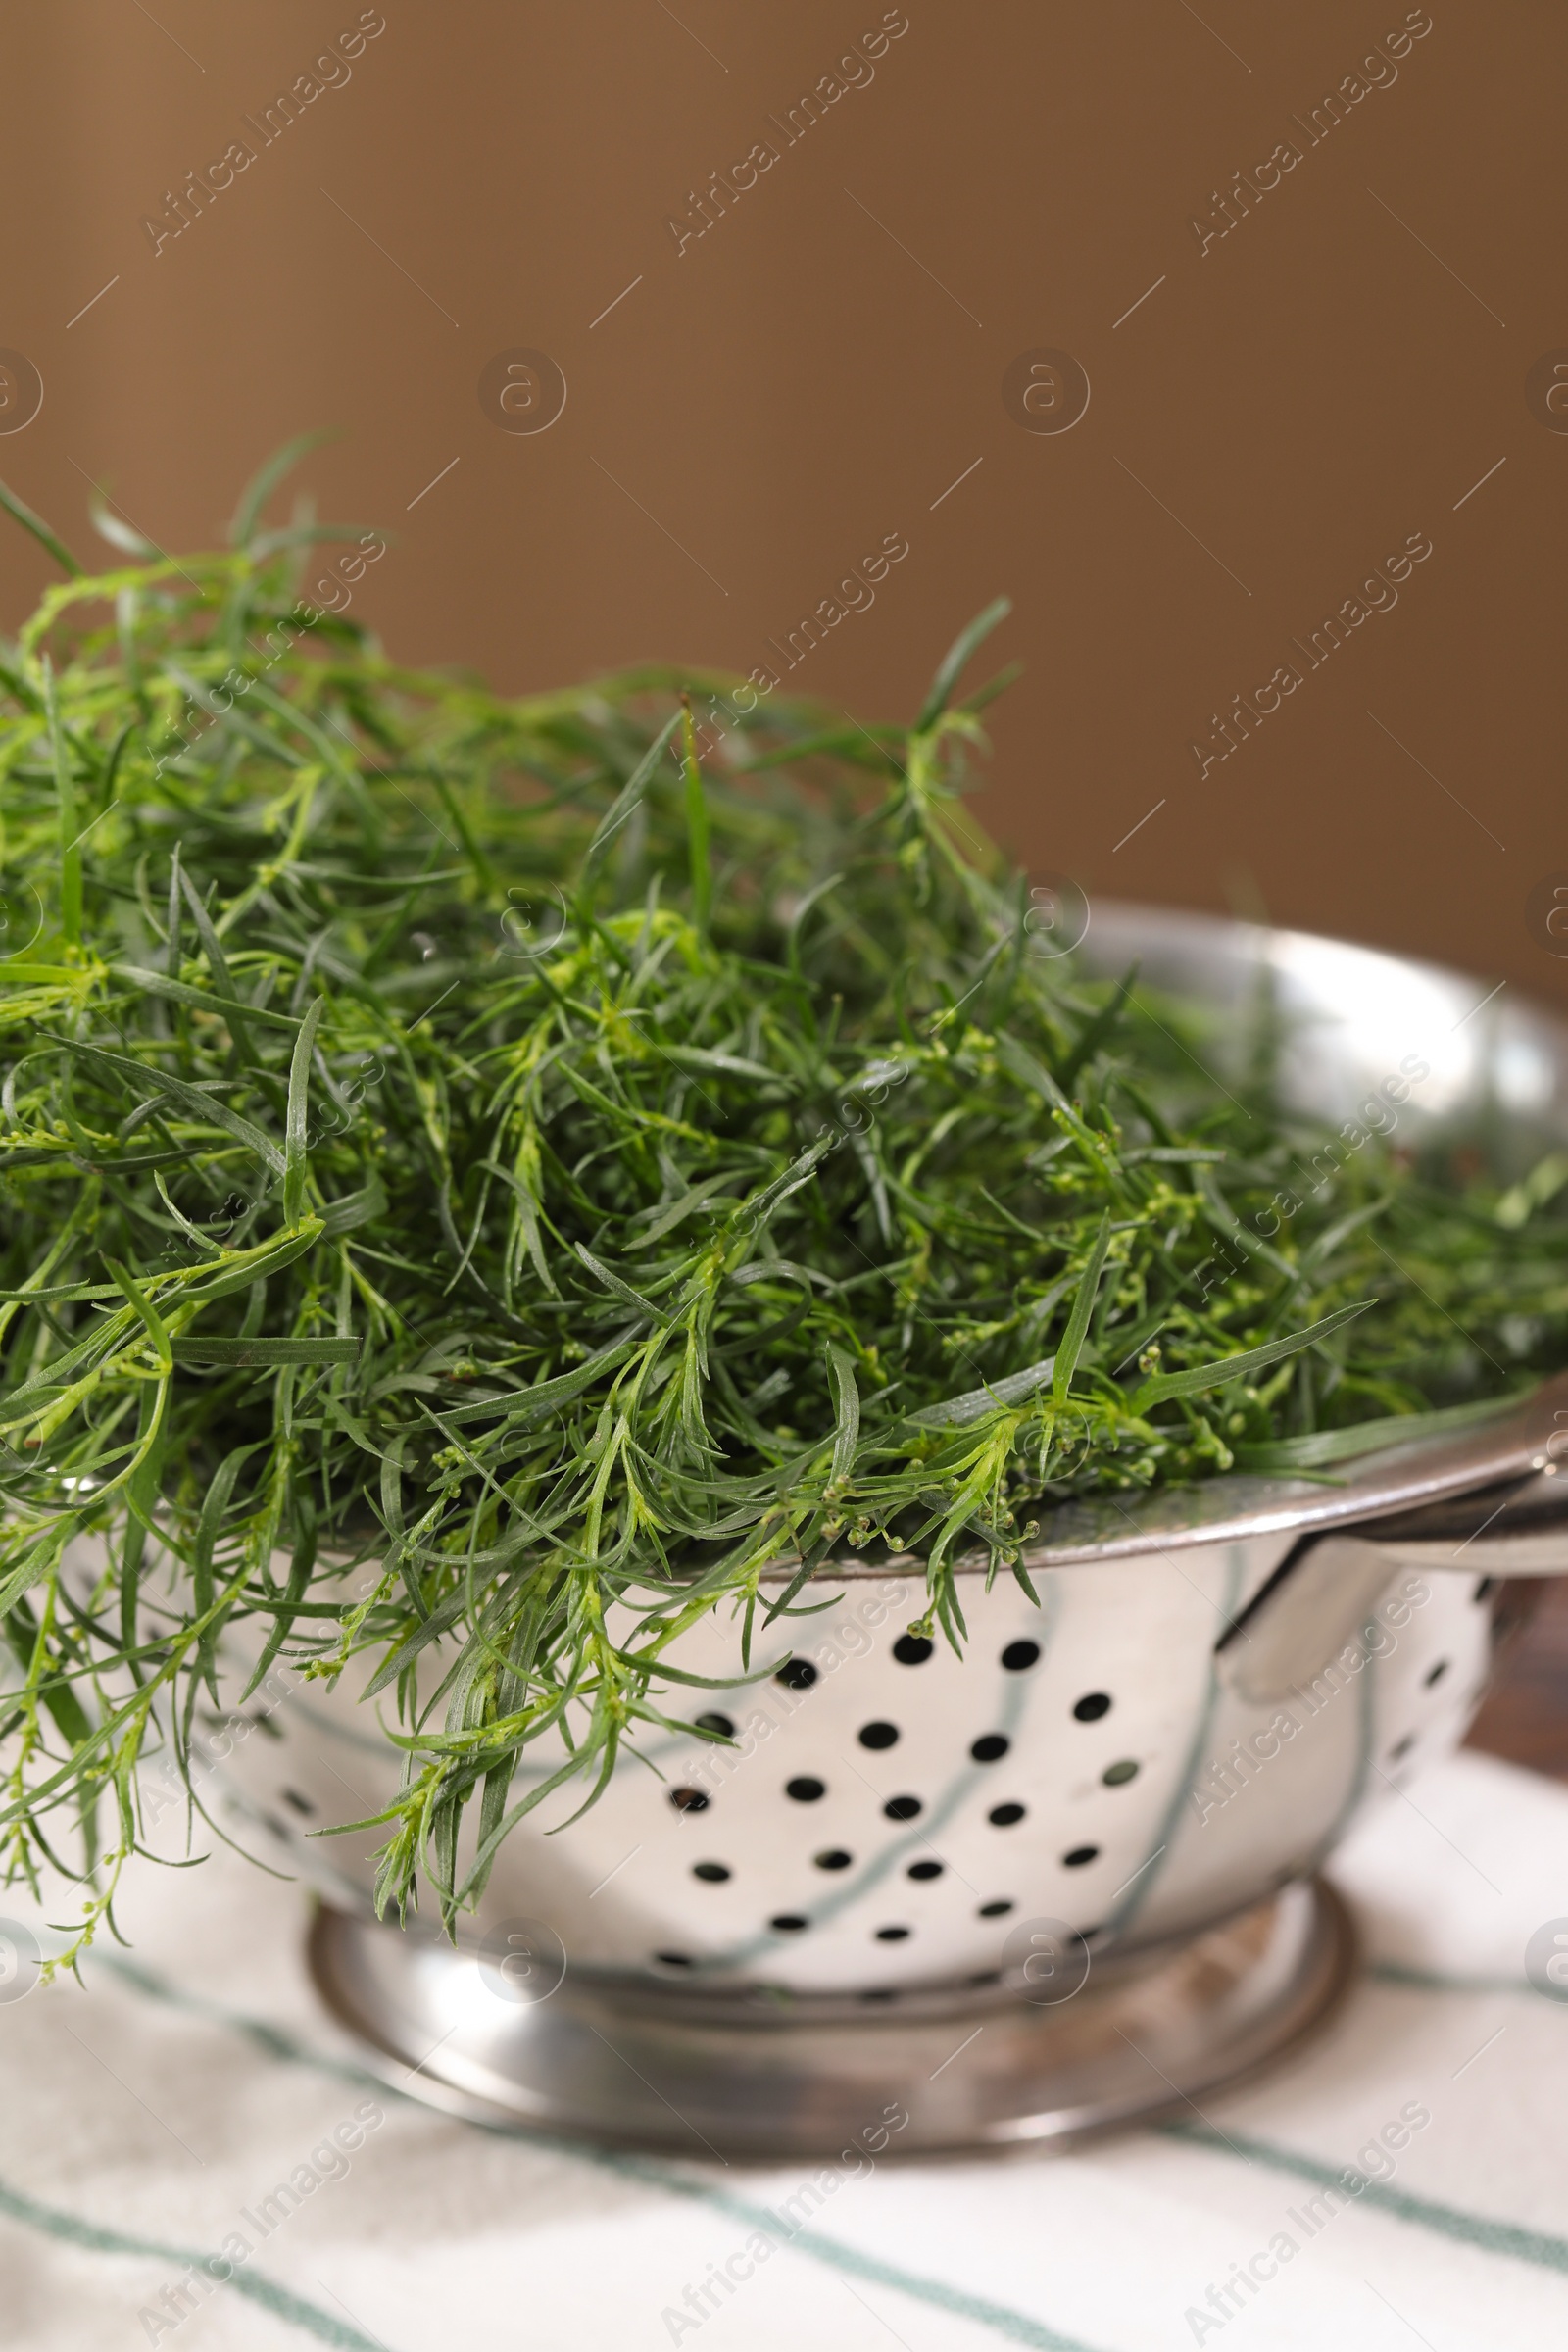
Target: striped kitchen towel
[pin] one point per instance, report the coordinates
(1403, 2181)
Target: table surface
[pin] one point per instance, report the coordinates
(1524, 1716)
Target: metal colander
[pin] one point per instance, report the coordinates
(889, 1812)
(1111, 1808)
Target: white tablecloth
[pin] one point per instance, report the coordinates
(148, 2116)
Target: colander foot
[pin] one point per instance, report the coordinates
(757, 2077)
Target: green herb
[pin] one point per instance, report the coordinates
(576, 1172)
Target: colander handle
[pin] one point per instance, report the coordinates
(1327, 1588)
(1520, 1529)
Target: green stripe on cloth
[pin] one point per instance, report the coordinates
(1432, 1979)
(274, 2041)
(1016, 2326)
(1535, 2246)
(70, 2229)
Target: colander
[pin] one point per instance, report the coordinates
(1067, 1880)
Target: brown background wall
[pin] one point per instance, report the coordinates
(1276, 417)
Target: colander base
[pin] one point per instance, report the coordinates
(1146, 2034)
